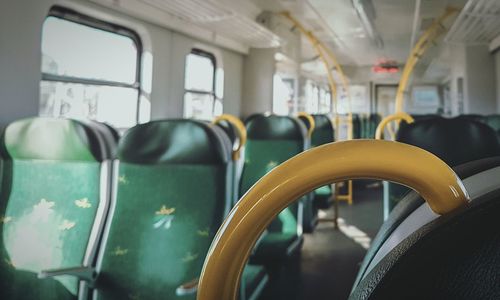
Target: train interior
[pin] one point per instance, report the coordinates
(249, 149)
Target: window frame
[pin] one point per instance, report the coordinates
(70, 15)
(213, 59)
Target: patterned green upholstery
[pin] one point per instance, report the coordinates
(254, 277)
(48, 205)
(172, 190)
(271, 141)
(323, 133)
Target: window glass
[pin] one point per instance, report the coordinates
(204, 86)
(114, 105)
(283, 95)
(200, 71)
(76, 50)
(87, 72)
(198, 106)
(324, 101)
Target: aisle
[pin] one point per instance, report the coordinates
(330, 258)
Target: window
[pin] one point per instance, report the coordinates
(90, 70)
(283, 95)
(325, 101)
(312, 97)
(203, 85)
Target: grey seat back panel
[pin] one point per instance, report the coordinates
(477, 186)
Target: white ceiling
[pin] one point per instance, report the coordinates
(337, 24)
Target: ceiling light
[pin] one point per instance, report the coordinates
(366, 14)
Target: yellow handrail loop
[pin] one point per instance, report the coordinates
(385, 160)
(379, 133)
(310, 120)
(241, 129)
(417, 52)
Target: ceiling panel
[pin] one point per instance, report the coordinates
(477, 24)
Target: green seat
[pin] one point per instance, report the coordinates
(373, 121)
(310, 210)
(51, 206)
(456, 141)
(270, 141)
(356, 126)
(323, 133)
(172, 190)
(254, 277)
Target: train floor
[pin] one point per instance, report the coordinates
(331, 257)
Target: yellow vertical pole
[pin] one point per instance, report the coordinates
(345, 85)
(318, 48)
(421, 46)
(343, 78)
(321, 49)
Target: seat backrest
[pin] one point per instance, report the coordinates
(55, 184)
(479, 177)
(455, 141)
(229, 130)
(373, 121)
(323, 131)
(474, 117)
(172, 189)
(107, 135)
(356, 126)
(454, 257)
(272, 140)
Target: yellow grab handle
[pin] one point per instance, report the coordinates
(394, 117)
(242, 132)
(385, 160)
(309, 119)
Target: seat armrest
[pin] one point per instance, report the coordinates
(188, 288)
(87, 274)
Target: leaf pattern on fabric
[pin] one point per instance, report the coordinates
(118, 251)
(165, 211)
(43, 209)
(83, 203)
(5, 219)
(189, 257)
(271, 165)
(122, 179)
(204, 232)
(9, 263)
(67, 225)
(164, 222)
